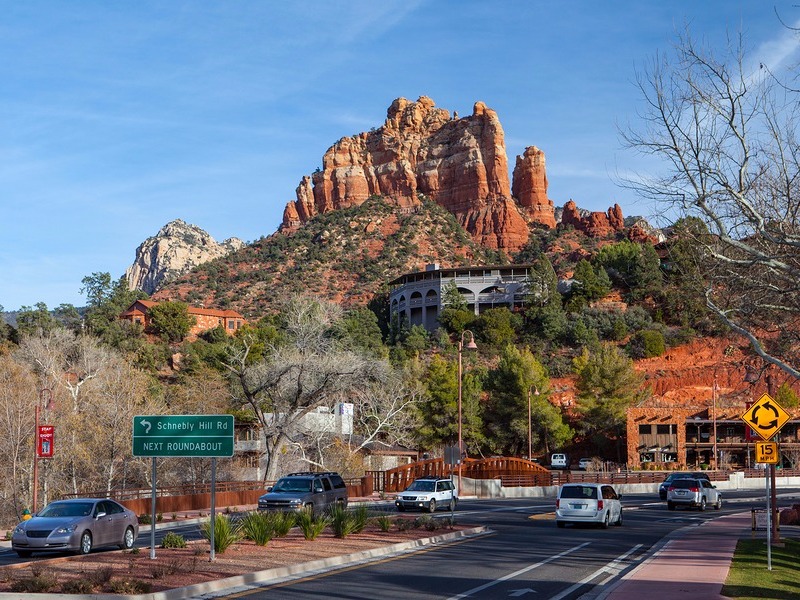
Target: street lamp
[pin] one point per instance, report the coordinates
(45, 397)
(471, 345)
(714, 433)
(536, 392)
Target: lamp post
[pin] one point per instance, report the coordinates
(714, 433)
(471, 345)
(45, 397)
(536, 392)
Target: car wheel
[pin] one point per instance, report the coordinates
(718, 506)
(128, 539)
(451, 506)
(86, 543)
(560, 524)
(606, 520)
(670, 505)
(619, 519)
(702, 504)
(432, 506)
(24, 553)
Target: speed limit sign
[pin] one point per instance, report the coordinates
(768, 453)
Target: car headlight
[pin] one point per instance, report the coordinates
(67, 529)
(295, 502)
(19, 530)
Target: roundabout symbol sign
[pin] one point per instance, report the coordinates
(765, 417)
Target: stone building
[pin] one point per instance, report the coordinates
(417, 298)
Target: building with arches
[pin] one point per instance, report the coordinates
(417, 298)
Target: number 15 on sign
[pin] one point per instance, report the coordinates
(767, 453)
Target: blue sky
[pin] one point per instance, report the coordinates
(118, 117)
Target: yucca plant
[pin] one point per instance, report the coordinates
(282, 522)
(258, 527)
(225, 533)
(310, 524)
(361, 517)
(384, 522)
(343, 522)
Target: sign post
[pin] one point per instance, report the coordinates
(209, 436)
(766, 417)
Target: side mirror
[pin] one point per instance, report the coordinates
(269, 488)
(100, 515)
(619, 496)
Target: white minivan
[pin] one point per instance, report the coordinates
(559, 461)
(588, 503)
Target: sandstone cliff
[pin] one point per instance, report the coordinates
(177, 248)
(460, 163)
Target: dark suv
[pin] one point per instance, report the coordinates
(298, 491)
(662, 489)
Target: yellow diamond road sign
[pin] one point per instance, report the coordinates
(765, 417)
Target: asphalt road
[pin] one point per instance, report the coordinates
(525, 556)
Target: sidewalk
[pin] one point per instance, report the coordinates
(691, 565)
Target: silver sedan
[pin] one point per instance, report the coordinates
(76, 525)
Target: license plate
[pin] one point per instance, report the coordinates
(578, 506)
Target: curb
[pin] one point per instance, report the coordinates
(278, 574)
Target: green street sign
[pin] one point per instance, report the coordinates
(183, 435)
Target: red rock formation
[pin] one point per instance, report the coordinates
(595, 224)
(459, 163)
(530, 187)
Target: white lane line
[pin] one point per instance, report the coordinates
(480, 588)
(613, 569)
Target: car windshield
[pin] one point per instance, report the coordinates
(293, 485)
(67, 509)
(421, 486)
(579, 491)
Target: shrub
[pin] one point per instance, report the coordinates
(130, 586)
(173, 540)
(100, 577)
(144, 519)
(77, 586)
(258, 527)
(361, 517)
(404, 524)
(170, 567)
(647, 344)
(282, 522)
(384, 522)
(38, 583)
(427, 522)
(225, 534)
(310, 524)
(343, 522)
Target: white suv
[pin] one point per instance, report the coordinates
(428, 493)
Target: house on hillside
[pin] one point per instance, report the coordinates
(205, 318)
(416, 298)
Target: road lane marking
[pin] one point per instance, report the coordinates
(613, 569)
(485, 586)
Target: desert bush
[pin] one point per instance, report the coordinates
(39, 582)
(77, 586)
(404, 524)
(647, 344)
(169, 567)
(129, 586)
(225, 534)
(427, 522)
(99, 577)
(173, 540)
(257, 527)
(788, 516)
(310, 524)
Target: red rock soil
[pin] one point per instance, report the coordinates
(179, 567)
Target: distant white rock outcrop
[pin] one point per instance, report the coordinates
(177, 248)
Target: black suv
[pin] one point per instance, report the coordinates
(306, 490)
(662, 489)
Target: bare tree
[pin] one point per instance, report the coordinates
(726, 131)
(294, 379)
